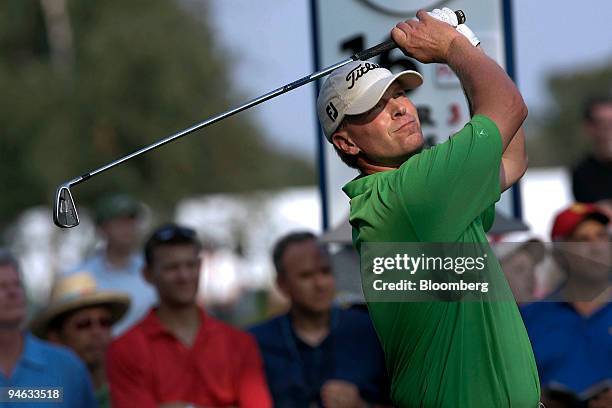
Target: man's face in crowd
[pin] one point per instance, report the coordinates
(122, 231)
(600, 129)
(387, 134)
(12, 298)
(588, 251)
(175, 273)
(88, 332)
(520, 272)
(307, 278)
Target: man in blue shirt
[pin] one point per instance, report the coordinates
(571, 331)
(31, 364)
(318, 354)
(118, 265)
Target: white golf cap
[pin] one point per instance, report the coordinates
(355, 88)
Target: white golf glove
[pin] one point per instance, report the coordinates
(448, 16)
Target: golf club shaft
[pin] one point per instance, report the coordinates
(363, 55)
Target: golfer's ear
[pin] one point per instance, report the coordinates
(344, 143)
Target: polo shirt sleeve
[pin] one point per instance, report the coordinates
(446, 187)
(127, 377)
(252, 388)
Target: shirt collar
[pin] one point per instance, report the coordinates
(133, 265)
(32, 352)
(152, 326)
(359, 184)
(334, 319)
(556, 300)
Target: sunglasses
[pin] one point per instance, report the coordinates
(88, 323)
(172, 232)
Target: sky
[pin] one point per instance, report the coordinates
(270, 44)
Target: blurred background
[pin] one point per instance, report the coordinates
(86, 82)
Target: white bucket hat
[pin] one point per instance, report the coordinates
(355, 88)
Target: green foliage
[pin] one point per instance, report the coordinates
(141, 70)
(558, 136)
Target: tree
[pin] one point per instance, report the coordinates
(140, 70)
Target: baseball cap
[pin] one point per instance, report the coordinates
(567, 220)
(355, 88)
(117, 205)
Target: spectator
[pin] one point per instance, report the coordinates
(27, 362)
(317, 354)
(80, 317)
(117, 266)
(178, 356)
(592, 177)
(570, 331)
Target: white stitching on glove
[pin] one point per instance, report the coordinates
(446, 15)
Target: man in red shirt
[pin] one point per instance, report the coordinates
(178, 356)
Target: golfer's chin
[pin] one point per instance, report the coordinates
(411, 145)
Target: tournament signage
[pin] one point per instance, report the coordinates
(344, 27)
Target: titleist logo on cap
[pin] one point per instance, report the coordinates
(359, 71)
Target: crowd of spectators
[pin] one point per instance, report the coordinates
(124, 327)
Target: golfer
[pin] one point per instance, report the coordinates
(439, 354)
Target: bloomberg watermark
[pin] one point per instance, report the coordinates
(394, 272)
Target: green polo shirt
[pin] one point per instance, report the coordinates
(446, 354)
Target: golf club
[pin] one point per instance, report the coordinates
(65, 213)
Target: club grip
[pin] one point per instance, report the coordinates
(374, 51)
(390, 44)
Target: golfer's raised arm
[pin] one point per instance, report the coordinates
(490, 90)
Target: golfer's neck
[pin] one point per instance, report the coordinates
(367, 168)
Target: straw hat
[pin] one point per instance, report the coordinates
(74, 292)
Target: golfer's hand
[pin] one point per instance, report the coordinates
(341, 394)
(426, 39)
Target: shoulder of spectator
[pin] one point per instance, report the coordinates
(268, 329)
(231, 334)
(534, 310)
(86, 264)
(584, 164)
(58, 356)
(357, 320)
(130, 344)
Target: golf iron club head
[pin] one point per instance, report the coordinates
(64, 211)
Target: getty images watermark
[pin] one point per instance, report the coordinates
(413, 264)
(405, 272)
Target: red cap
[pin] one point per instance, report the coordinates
(567, 220)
